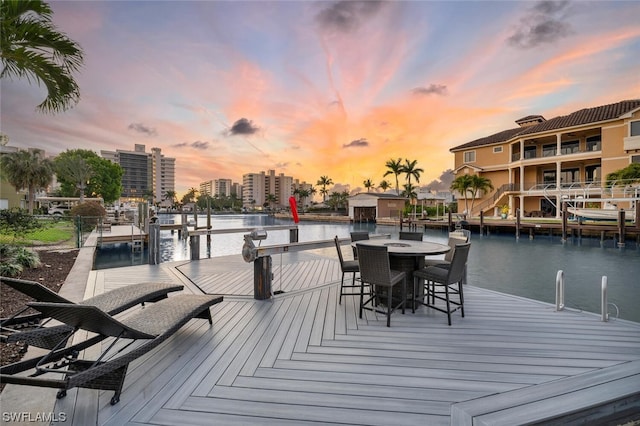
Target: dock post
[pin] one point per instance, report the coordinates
(621, 227)
(154, 243)
(194, 245)
(481, 223)
(262, 277)
(517, 224)
(564, 221)
(450, 221)
(293, 235)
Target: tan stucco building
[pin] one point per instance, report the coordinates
(540, 163)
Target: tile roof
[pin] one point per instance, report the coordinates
(583, 116)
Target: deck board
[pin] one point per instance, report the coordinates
(302, 358)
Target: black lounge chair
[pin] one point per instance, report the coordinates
(30, 328)
(151, 325)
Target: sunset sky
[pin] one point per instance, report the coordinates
(323, 88)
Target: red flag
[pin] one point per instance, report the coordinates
(294, 209)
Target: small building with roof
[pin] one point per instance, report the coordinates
(369, 206)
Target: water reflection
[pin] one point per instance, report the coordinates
(521, 267)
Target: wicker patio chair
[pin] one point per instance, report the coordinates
(376, 271)
(448, 278)
(414, 236)
(347, 266)
(147, 327)
(31, 328)
(358, 236)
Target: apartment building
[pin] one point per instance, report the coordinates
(256, 187)
(219, 187)
(144, 173)
(537, 165)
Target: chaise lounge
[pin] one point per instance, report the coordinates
(30, 328)
(149, 327)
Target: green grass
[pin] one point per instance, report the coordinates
(58, 232)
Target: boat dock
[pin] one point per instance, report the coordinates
(301, 358)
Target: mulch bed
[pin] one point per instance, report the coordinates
(53, 271)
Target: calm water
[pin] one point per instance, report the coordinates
(521, 267)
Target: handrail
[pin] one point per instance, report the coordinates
(603, 300)
(496, 196)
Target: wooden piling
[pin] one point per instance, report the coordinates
(621, 227)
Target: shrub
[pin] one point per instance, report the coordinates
(91, 213)
(15, 259)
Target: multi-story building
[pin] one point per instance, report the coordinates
(219, 187)
(257, 187)
(144, 174)
(540, 163)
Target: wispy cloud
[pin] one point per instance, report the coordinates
(346, 16)
(544, 23)
(358, 143)
(433, 89)
(141, 128)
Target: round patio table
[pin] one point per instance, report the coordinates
(407, 256)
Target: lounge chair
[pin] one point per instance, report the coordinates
(29, 328)
(151, 326)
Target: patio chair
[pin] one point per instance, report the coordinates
(347, 266)
(414, 236)
(376, 271)
(358, 236)
(450, 279)
(146, 328)
(454, 238)
(31, 328)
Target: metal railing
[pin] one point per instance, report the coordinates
(604, 297)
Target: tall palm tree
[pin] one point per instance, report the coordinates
(27, 169)
(74, 168)
(368, 184)
(479, 183)
(409, 191)
(271, 198)
(171, 196)
(323, 182)
(395, 169)
(411, 169)
(384, 185)
(31, 47)
(462, 184)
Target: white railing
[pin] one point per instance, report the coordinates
(560, 291)
(604, 298)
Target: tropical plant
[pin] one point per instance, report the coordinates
(31, 47)
(395, 169)
(504, 209)
(13, 260)
(74, 169)
(479, 183)
(303, 194)
(323, 182)
(170, 195)
(409, 191)
(368, 184)
(462, 184)
(27, 169)
(90, 213)
(411, 169)
(629, 174)
(17, 222)
(384, 185)
(271, 198)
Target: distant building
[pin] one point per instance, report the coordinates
(144, 173)
(219, 187)
(256, 187)
(369, 206)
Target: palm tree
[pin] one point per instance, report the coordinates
(32, 48)
(303, 194)
(74, 168)
(323, 182)
(410, 169)
(395, 168)
(368, 184)
(27, 169)
(479, 183)
(171, 196)
(271, 198)
(462, 184)
(409, 191)
(384, 185)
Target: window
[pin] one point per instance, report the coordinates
(594, 143)
(529, 152)
(592, 173)
(497, 149)
(569, 147)
(470, 157)
(569, 176)
(549, 177)
(634, 128)
(549, 150)
(635, 159)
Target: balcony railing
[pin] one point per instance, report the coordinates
(529, 155)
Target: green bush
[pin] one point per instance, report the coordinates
(91, 212)
(15, 259)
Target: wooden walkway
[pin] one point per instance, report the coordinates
(303, 359)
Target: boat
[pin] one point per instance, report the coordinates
(601, 214)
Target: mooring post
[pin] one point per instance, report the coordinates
(564, 221)
(517, 224)
(293, 235)
(194, 246)
(481, 222)
(262, 277)
(154, 243)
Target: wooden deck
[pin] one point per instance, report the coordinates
(303, 359)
